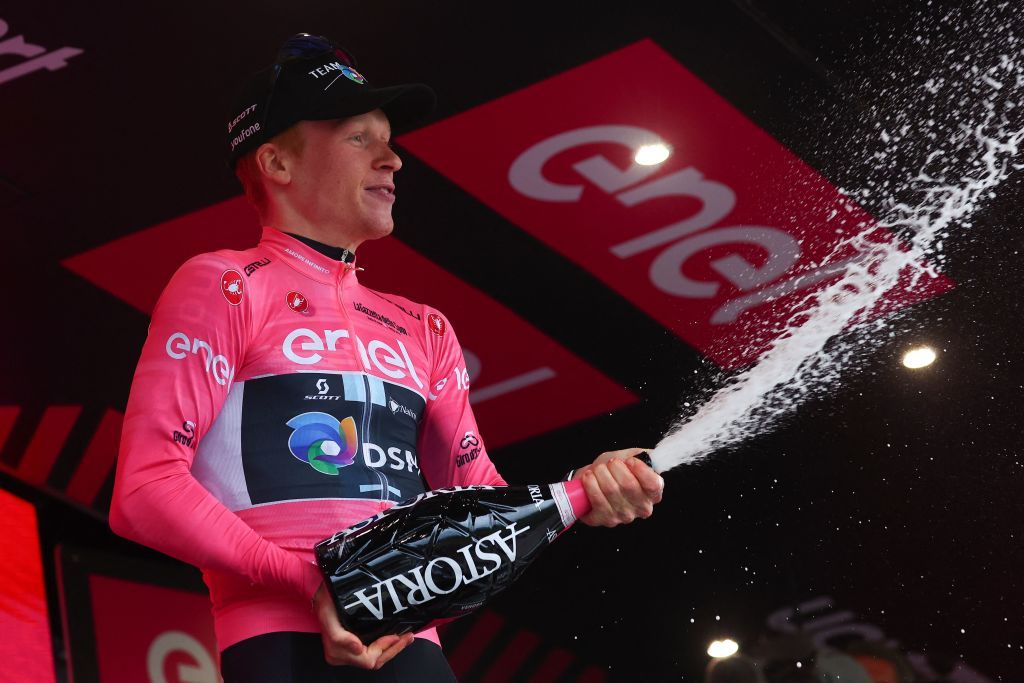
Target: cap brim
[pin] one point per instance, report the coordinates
(405, 105)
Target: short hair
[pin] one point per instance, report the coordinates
(248, 172)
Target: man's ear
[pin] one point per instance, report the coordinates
(274, 163)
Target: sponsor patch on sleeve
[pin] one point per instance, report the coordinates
(231, 286)
(436, 324)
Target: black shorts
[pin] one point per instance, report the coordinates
(299, 658)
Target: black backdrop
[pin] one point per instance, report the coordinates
(896, 494)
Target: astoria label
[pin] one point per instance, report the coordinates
(440, 576)
(439, 556)
(442, 554)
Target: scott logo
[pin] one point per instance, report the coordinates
(323, 442)
(179, 346)
(376, 355)
(322, 387)
(440, 576)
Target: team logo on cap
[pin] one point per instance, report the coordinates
(231, 286)
(353, 75)
(436, 324)
(297, 302)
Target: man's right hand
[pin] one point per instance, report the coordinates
(342, 647)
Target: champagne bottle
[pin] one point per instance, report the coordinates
(443, 554)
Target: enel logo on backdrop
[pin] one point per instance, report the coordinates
(718, 242)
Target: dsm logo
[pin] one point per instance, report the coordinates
(323, 442)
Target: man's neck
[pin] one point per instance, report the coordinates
(331, 252)
(295, 223)
(325, 237)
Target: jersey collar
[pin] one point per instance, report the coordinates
(333, 253)
(304, 258)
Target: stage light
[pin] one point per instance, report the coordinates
(720, 649)
(651, 155)
(919, 357)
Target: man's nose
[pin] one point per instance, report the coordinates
(387, 158)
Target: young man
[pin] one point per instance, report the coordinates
(278, 401)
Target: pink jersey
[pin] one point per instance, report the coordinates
(276, 402)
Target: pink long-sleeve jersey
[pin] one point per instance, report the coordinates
(276, 402)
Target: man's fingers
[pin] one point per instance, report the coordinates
(618, 455)
(627, 480)
(620, 487)
(340, 650)
(621, 508)
(601, 510)
(651, 482)
(340, 639)
(374, 649)
(352, 644)
(393, 649)
(648, 487)
(342, 646)
(638, 501)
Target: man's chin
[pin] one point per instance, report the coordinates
(375, 232)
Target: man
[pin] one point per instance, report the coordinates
(277, 400)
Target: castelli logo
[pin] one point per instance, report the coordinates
(297, 302)
(436, 324)
(231, 286)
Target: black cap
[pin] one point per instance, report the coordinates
(314, 80)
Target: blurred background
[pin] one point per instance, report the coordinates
(869, 531)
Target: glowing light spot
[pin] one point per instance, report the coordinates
(919, 357)
(650, 155)
(723, 648)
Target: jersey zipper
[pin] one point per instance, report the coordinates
(367, 405)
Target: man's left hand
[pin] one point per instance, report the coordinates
(620, 488)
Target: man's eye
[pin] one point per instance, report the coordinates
(358, 137)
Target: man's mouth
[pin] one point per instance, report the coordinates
(385, 192)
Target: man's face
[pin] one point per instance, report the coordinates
(345, 175)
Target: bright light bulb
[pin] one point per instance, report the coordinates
(723, 648)
(919, 357)
(650, 155)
